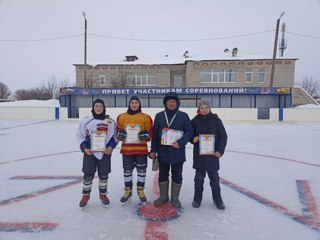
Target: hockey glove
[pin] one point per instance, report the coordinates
(121, 134)
(144, 135)
(84, 145)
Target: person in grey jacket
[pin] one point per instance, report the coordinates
(207, 125)
(172, 130)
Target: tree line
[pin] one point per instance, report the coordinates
(49, 89)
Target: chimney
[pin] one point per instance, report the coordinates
(234, 52)
(131, 58)
(186, 54)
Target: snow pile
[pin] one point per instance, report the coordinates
(308, 106)
(32, 103)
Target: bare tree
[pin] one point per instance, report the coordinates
(49, 89)
(312, 87)
(52, 86)
(24, 94)
(4, 91)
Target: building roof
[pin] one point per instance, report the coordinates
(167, 59)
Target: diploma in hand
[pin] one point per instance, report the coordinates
(98, 141)
(169, 136)
(206, 144)
(132, 133)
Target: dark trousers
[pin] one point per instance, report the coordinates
(176, 172)
(214, 184)
(138, 161)
(90, 165)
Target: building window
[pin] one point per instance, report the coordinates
(229, 75)
(102, 80)
(262, 75)
(141, 79)
(177, 81)
(248, 76)
(113, 76)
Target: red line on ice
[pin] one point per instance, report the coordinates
(27, 226)
(40, 192)
(310, 201)
(295, 216)
(155, 230)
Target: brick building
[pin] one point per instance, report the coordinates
(230, 80)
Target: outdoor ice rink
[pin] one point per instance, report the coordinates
(270, 180)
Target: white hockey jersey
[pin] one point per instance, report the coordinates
(89, 125)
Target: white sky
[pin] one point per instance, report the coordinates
(24, 64)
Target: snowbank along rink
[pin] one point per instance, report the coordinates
(269, 175)
(309, 113)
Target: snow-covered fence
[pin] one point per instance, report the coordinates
(32, 113)
(233, 114)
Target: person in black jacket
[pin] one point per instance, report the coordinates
(208, 131)
(172, 130)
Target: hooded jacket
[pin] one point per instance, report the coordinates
(166, 153)
(208, 124)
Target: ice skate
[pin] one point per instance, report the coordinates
(84, 200)
(126, 196)
(104, 199)
(142, 197)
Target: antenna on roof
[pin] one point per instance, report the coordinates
(283, 41)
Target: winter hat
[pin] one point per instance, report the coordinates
(171, 95)
(101, 115)
(204, 102)
(135, 98)
(130, 111)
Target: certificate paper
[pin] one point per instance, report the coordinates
(98, 141)
(206, 144)
(169, 136)
(132, 133)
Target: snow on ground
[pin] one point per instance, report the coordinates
(308, 106)
(270, 176)
(32, 103)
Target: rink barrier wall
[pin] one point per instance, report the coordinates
(226, 114)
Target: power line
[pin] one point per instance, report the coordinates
(179, 40)
(134, 39)
(41, 39)
(303, 35)
(153, 40)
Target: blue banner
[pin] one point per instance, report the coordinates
(183, 91)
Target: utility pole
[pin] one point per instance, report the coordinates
(85, 50)
(275, 50)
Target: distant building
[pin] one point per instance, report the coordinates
(228, 70)
(230, 80)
